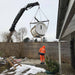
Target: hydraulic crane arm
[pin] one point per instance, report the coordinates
(12, 29)
(20, 14)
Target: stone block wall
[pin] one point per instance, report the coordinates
(31, 49)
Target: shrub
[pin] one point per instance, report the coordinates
(52, 65)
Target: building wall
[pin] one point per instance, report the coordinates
(72, 46)
(70, 28)
(30, 50)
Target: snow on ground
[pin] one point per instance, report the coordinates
(1, 58)
(25, 70)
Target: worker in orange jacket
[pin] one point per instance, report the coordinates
(42, 52)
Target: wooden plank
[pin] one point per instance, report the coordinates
(10, 62)
(15, 61)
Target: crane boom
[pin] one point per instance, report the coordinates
(12, 29)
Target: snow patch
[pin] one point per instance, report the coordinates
(25, 70)
(33, 69)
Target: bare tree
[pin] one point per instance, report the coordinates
(19, 36)
(23, 32)
(5, 37)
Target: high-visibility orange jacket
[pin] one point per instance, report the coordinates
(42, 50)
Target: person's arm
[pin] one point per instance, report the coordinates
(39, 52)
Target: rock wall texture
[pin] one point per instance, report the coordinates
(31, 49)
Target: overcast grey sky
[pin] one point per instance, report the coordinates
(10, 8)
